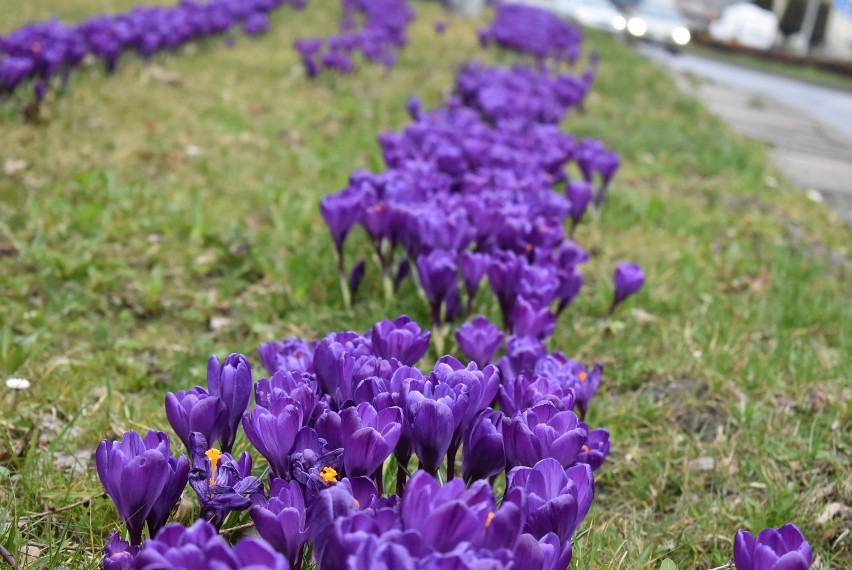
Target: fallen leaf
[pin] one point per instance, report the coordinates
(830, 510)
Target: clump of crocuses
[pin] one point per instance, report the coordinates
(335, 427)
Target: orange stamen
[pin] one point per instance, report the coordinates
(214, 455)
(328, 474)
(489, 519)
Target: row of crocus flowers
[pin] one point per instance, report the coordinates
(41, 51)
(377, 39)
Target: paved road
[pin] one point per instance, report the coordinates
(809, 127)
(830, 106)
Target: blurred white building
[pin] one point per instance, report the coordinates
(745, 24)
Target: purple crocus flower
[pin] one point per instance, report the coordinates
(526, 390)
(479, 340)
(328, 361)
(340, 212)
(503, 276)
(437, 272)
(169, 498)
(555, 500)
(118, 554)
(474, 266)
(329, 511)
(232, 383)
(595, 449)
(541, 432)
(273, 431)
(288, 354)
(483, 454)
(430, 415)
(784, 548)
(522, 353)
(221, 483)
(256, 24)
(401, 338)
(196, 411)
(369, 437)
(579, 193)
(628, 279)
(135, 473)
(548, 553)
(281, 520)
(445, 516)
(532, 320)
(177, 547)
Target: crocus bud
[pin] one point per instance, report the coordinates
(628, 279)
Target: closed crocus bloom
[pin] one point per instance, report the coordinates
(784, 548)
(522, 354)
(231, 381)
(135, 472)
(527, 390)
(290, 354)
(430, 426)
(340, 211)
(281, 520)
(327, 356)
(178, 468)
(555, 500)
(118, 554)
(541, 432)
(446, 515)
(273, 432)
(473, 269)
(483, 454)
(255, 554)
(369, 437)
(476, 388)
(196, 411)
(579, 193)
(548, 553)
(401, 338)
(532, 320)
(479, 340)
(437, 272)
(628, 279)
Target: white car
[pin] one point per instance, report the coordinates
(598, 14)
(658, 23)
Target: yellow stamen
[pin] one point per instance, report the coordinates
(583, 375)
(489, 519)
(214, 455)
(328, 474)
(586, 448)
(357, 503)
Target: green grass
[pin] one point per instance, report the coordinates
(120, 250)
(802, 71)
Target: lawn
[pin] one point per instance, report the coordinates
(169, 212)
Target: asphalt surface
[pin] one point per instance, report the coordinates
(808, 127)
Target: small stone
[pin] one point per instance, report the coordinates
(705, 463)
(219, 323)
